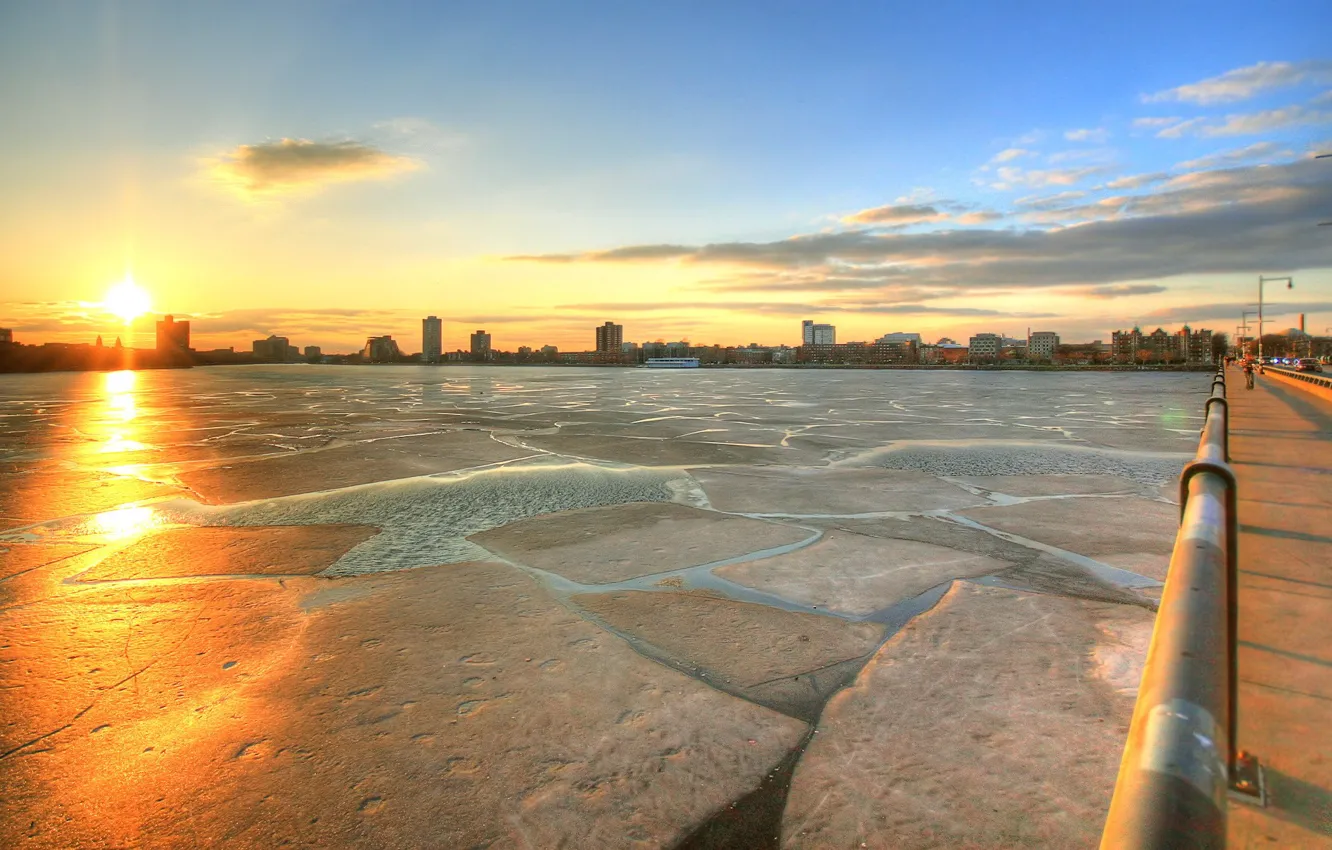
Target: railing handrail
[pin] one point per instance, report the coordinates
(1180, 759)
(1311, 377)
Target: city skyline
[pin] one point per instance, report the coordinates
(535, 172)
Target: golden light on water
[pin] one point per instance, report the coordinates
(127, 300)
(120, 395)
(123, 522)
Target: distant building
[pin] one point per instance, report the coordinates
(481, 345)
(985, 347)
(858, 352)
(549, 350)
(812, 333)
(942, 353)
(275, 348)
(1042, 345)
(6, 335)
(1184, 346)
(432, 339)
(314, 353)
(628, 348)
(898, 336)
(610, 337)
(524, 351)
(173, 335)
(380, 349)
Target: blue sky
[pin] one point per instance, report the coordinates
(429, 142)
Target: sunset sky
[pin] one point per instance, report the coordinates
(711, 171)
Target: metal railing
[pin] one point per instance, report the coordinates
(1315, 378)
(1180, 760)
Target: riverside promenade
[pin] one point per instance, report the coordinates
(1281, 451)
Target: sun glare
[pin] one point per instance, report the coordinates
(127, 300)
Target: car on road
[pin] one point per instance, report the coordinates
(1308, 364)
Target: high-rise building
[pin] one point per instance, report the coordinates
(480, 345)
(313, 354)
(609, 338)
(173, 335)
(825, 335)
(380, 349)
(807, 332)
(6, 335)
(432, 339)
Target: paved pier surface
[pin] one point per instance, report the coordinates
(1281, 449)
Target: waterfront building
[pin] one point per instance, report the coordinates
(983, 347)
(276, 348)
(1184, 346)
(1042, 345)
(481, 345)
(380, 349)
(549, 350)
(432, 339)
(173, 335)
(610, 337)
(858, 352)
(6, 335)
(807, 332)
(898, 336)
(313, 354)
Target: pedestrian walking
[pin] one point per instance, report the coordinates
(1248, 374)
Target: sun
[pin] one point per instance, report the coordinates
(127, 300)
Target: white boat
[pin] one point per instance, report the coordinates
(672, 363)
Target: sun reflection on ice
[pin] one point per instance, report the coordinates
(124, 522)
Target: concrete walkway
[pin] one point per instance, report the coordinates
(1281, 448)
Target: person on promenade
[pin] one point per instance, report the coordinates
(1248, 374)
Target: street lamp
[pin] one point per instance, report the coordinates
(1244, 319)
(1290, 284)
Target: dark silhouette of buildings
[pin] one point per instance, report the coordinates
(432, 339)
(381, 349)
(173, 335)
(481, 345)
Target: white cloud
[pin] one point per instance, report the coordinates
(1136, 181)
(1010, 154)
(1097, 135)
(1267, 120)
(1178, 130)
(1324, 99)
(1251, 153)
(1011, 176)
(1246, 82)
(1153, 123)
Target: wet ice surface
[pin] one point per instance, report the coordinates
(756, 534)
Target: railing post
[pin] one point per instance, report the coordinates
(1181, 759)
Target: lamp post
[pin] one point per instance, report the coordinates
(1244, 319)
(1290, 284)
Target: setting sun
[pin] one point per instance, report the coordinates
(127, 300)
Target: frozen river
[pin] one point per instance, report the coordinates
(467, 606)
